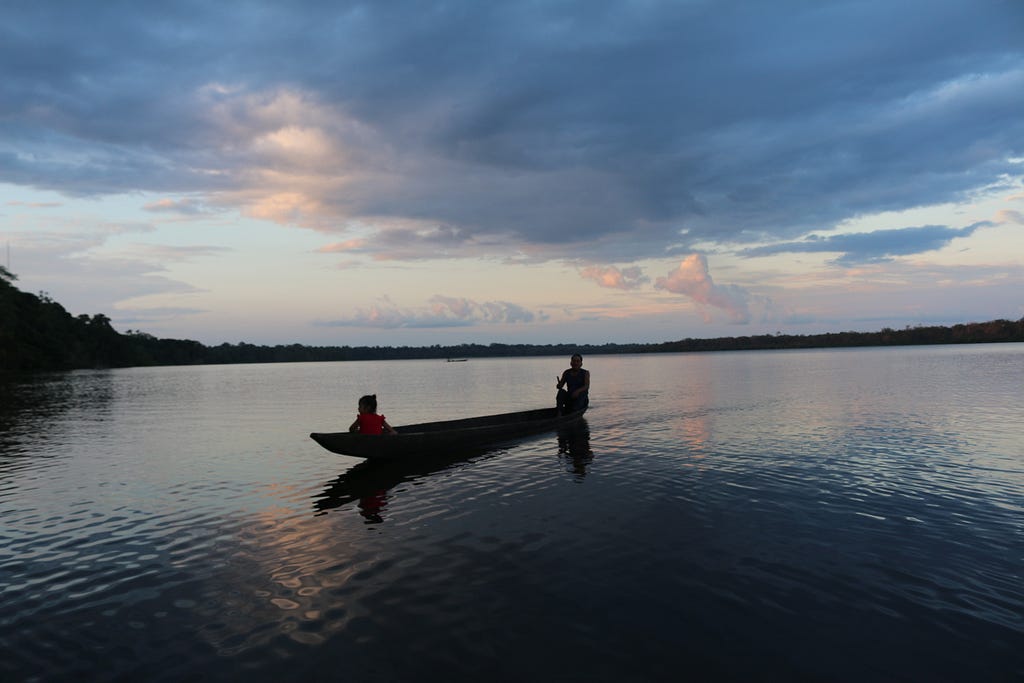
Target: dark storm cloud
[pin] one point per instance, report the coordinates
(561, 123)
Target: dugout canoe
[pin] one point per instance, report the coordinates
(438, 437)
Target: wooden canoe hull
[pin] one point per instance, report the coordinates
(436, 437)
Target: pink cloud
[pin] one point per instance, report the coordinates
(693, 280)
(180, 206)
(615, 278)
(339, 247)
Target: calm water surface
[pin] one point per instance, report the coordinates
(834, 515)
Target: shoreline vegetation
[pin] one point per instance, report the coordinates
(37, 335)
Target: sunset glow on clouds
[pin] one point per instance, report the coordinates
(407, 174)
(615, 278)
(691, 279)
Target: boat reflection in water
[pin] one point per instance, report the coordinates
(370, 481)
(369, 484)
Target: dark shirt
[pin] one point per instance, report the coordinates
(575, 379)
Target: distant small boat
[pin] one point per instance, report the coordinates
(434, 437)
(457, 360)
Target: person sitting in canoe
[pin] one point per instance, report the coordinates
(368, 421)
(576, 394)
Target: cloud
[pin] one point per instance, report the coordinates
(353, 245)
(185, 206)
(615, 278)
(419, 242)
(443, 311)
(90, 276)
(487, 312)
(1009, 216)
(872, 247)
(163, 253)
(535, 128)
(692, 279)
(36, 205)
(134, 316)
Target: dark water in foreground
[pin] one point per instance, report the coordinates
(841, 515)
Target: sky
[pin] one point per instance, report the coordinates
(416, 173)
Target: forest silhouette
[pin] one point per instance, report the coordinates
(38, 334)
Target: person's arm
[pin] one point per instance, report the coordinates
(586, 384)
(354, 427)
(388, 428)
(561, 381)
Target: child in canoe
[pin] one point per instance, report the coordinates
(368, 421)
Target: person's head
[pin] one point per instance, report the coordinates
(368, 403)
(576, 360)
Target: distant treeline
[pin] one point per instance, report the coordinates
(38, 334)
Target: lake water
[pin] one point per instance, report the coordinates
(829, 515)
